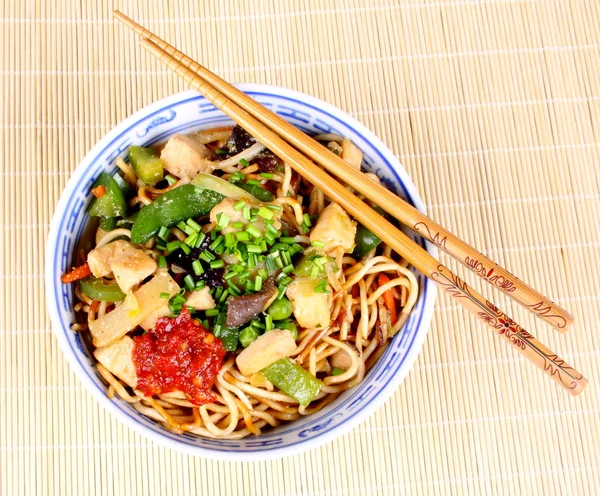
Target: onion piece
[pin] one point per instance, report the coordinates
(247, 154)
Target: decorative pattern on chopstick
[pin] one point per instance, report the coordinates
(499, 277)
(512, 332)
(395, 238)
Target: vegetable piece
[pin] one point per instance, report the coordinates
(125, 188)
(118, 322)
(200, 299)
(107, 224)
(293, 380)
(264, 195)
(313, 264)
(288, 326)
(242, 309)
(98, 289)
(174, 206)
(365, 241)
(229, 335)
(266, 350)
(112, 203)
(227, 189)
(76, 274)
(388, 298)
(184, 157)
(146, 164)
(118, 359)
(130, 265)
(351, 154)
(334, 228)
(99, 191)
(248, 336)
(280, 309)
(335, 371)
(311, 309)
(227, 216)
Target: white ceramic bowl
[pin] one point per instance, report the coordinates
(184, 113)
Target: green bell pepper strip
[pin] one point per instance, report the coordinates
(174, 206)
(229, 335)
(108, 223)
(112, 203)
(99, 290)
(125, 188)
(293, 380)
(264, 195)
(365, 241)
(230, 190)
(146, 164)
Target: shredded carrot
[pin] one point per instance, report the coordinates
(99, 191)
(95, 305)
(76, 274)
(388, 298)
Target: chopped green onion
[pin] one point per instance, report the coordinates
(216, 242)
(287, 269)
(270, 237)
(244, 275)
(200, 285)
(258, 324)
(237, 176)
(287, 258)
(185, 248)
(285, 280)
(336, 371)
(211, 312)
(268, 323)
(162, 262)
(242, 235)
(223, 220)
(272, 230)
(253, 182)
(189, 282)
(194, 225)
(207, 256)
(218, 151)
(191, 240)
(239, 205)
(268, 175)
(197, 266)
(258, 283)
(265, 213)
(321, 287)
(173, 245)
(218, 293)
(253, 248)
(270, 264)
(307, 220)
(165, 296)
(279, 262)
(246, 213)
(314, 271)
(217, 264)
(280, 291)
(244, 162)
(251, 260)
(277, 208)
(163, 233)
(233, 289)
(224, 296)
(263, 273)
(237, 225)
(170, 179)
(318, 244)
(200, 240)
(288, 240)
(254, 231)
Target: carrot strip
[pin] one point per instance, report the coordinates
(99, 191)
(76, 274)
(388, 298)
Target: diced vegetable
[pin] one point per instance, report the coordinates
(108, 223)
(313, 264)
(248, 335)
(200, 299)
(229, 335)
(311, 309)
(146, 164)
(121, 320)
(76, 274)
(184, 157)
(242, 309)
(365, 241)
(118, 359)
(293, 380)
(336, 371)
(174, 206)
(334, 228)
(267, 349)
(98, 289)
(264, 195)
(287, 325)
(280, 309)
(227, 189)
(112, 203)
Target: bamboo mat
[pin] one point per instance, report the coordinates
(494, 109)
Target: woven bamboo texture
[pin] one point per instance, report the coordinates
(494, 109)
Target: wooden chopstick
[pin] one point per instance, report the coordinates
(545, 359)
(487, 269)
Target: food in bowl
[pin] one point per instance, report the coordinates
(224, 294)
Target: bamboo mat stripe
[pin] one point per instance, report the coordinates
(492, 106)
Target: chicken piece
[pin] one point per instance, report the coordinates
(200, 299)
(267, 349)
(185, 157)
(351, 154)
(118, 359)
(335, 229)
(130, 265)
(311, 309)
(227, 207)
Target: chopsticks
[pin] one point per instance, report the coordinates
(519, 338)
(475, 261)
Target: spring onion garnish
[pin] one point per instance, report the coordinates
(170, 179)
(219, 151)
(318, 244)
(270, 264)
(244, 162)
(197, 266)
(163, 233)
(254, 231)
(239, 205)
(165, 296)
(185, 248)
(224, 296)
(287, 269)
(268, 175)
(200, 284)
(287, 240)
(211, 312)
(162, 262)
(265, 213)
(194, 225)
(253, 182)
(242, 236)
(207, 256)
(223, 220)
(173, 245)
(216, 243)
(237, 225)
(191, 240)
(277, 208)
(307, 220)
(237, 176)
(321, 287)
(258, 283)
(189, 282)
(268, 323)
(217, 264)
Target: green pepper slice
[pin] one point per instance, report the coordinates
(146, 164)
(99, 290)
(174, 206)
(112, 203)
(293, 380)
(229, 335)
(365, 241)
(262, 194)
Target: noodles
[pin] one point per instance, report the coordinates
(364, 314)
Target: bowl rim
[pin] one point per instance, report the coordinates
(367, 410)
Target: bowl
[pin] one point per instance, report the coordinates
(187, 112)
